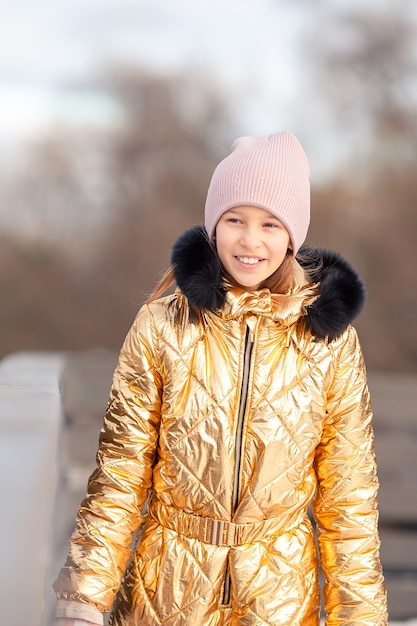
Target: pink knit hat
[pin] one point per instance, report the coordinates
(269, 172)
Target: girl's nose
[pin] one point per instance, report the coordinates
(250, 238)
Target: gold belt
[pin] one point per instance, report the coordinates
(221, 532)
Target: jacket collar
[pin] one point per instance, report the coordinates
(285, 308)
(328, 291)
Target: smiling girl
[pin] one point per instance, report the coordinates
(238, 402)
(251, 244)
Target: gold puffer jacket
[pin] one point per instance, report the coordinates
(235, 411)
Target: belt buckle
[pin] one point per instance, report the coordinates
(238, 534)
(217, 531)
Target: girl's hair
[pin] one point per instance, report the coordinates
(164, 283)
(281, 281)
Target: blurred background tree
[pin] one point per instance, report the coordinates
(365, 67)
(99, 211)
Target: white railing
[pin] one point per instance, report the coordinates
(30, 426)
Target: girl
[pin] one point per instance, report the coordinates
(237, 403)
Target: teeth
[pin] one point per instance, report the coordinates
(249, 260)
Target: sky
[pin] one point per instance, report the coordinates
(46, 48)
(50, 51)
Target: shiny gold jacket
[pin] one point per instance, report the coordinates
(235, 411)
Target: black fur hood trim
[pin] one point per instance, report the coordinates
(341, 295)
(341, 292)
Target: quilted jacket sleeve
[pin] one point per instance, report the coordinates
(346, 505)
(117, 489)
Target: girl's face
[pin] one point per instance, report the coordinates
(251, 244)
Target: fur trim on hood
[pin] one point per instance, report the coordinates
(198, 274)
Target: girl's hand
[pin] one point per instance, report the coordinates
(66, 621)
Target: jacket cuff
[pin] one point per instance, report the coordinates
(78, 610)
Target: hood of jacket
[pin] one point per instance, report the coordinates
(329, 292)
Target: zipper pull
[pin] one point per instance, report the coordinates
(250, 329)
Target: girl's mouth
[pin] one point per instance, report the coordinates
(248, 260)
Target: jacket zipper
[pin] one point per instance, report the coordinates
(249, 341)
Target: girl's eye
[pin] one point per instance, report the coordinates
(233, 220)
(271, 225)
